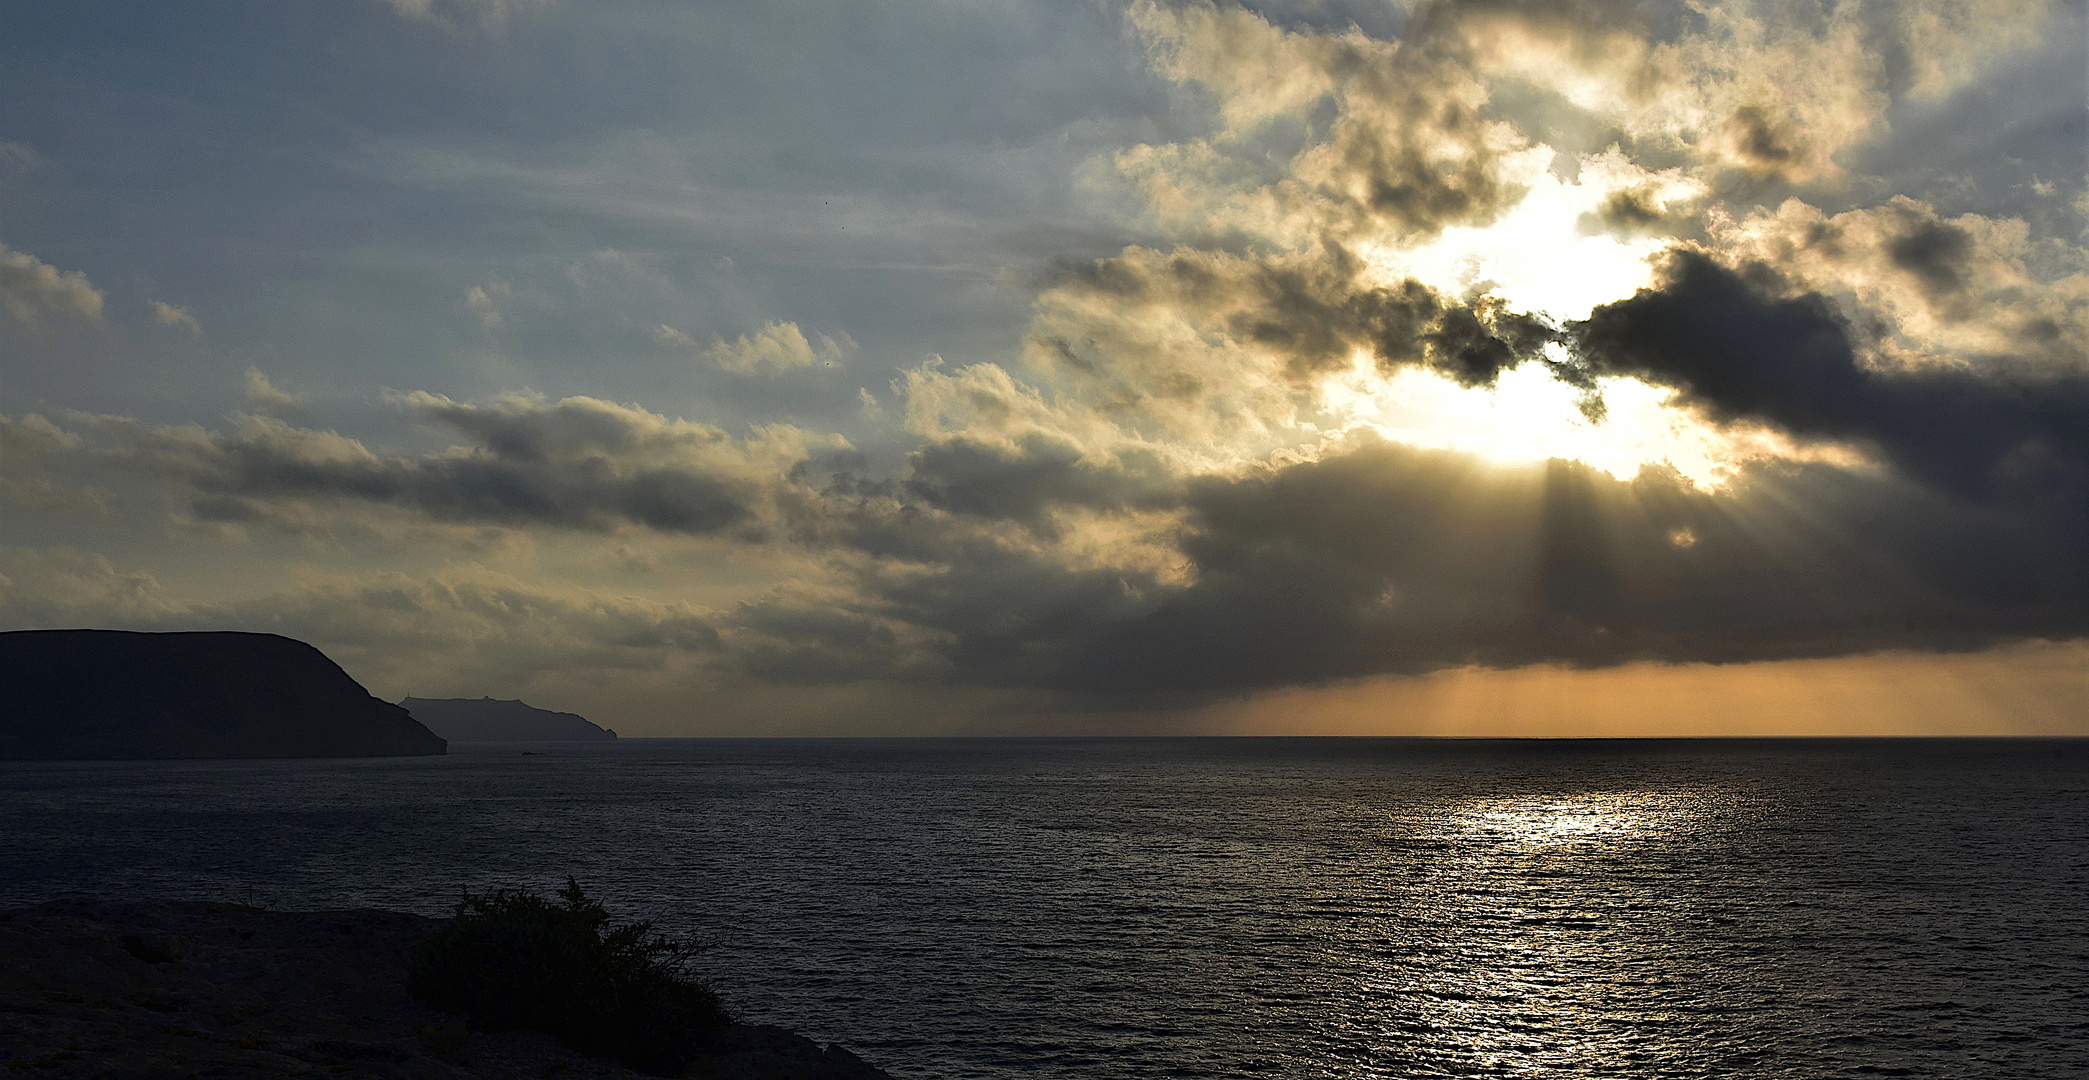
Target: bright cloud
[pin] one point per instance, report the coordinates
(777, 346)
(167, 314)
(32, 290)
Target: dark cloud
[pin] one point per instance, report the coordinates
(1762, 144)
(1738, 347)
(1388, 559)
(1937, 254)
(825, 640)
(1405, 184)
(1315, 311)
(575, 464)
(1629, 212)
(1641, 211)
(1024, 482)
(485, 488)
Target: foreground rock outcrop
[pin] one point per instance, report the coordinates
(495, 720)
(139, 991)
(89, 694)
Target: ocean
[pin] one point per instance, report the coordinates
(1292, 908)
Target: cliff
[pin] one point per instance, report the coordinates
(490, 720)
(92, 694)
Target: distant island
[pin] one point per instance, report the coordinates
(113, 694)
(494, 720)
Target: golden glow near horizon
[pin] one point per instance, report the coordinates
(2032, 688)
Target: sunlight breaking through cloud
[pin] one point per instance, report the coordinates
(1566, 247)
(1529, 415)
(1115, 358)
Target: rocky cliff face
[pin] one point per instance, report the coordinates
(87, 694)
(491, 720)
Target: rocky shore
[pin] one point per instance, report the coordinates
(94, 989)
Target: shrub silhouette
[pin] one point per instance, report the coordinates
(518, 960)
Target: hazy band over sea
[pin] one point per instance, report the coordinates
(1215, 908)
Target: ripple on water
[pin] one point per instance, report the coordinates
(1219, 908)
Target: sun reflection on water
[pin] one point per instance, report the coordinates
(1567, 820)
(1528, 935)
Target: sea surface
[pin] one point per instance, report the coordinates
(1186, 908)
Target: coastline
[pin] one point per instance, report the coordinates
(96, 988)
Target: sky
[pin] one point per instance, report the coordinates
(944, 367)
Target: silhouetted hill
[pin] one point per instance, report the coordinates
(492, 720)
(86, 694)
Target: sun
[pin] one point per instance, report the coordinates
(1553, 255)
(1556, 253)
(1530, 416)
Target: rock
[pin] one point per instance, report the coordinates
(493, 720)
(253, 993)
(94, 694)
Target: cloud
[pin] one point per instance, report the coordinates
(1733, 344)
(61, 587)
(463, 629)
(264, 396)
(1408, 152)
(25, 445)
(578, 463)
(1768, 92)
(31, 290)
(167, 314)
(1341, 136)
(609, 267)
(484, 302)
(667, 337)
(19, 159)
(1921, 290)
(490, 14)
(1134, 575)
(1378, 558)
(460, 626)
(1176, 332)
(1191, 482)
(1028, 481)
(777, 347)
(1015, 554)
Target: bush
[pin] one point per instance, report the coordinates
(518, 960)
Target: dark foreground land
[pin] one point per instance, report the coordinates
(92, 989)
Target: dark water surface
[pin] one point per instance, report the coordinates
(1217, 908)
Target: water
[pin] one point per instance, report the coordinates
(1217, 908)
